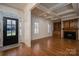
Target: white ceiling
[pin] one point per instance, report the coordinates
(48, 5)
(19, 6)
(58, 10)
(51, 11)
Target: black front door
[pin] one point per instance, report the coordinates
(10, 31)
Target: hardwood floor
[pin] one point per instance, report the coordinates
(55, 47)
(46, 47)
(22, 50)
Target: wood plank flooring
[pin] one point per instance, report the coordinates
(22, 50)
(46, 47)
(55, 47)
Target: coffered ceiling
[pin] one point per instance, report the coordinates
(52, 11)
(55, 11)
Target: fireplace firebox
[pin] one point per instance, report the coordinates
(69, 35)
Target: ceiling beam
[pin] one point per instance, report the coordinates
(75, 7)
(48, 11)
(66, 12)
(59, 5)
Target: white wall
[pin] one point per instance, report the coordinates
(6, 11)
(24, 21)
(43, 27)
(27, 24)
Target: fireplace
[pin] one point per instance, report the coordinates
(69, 35)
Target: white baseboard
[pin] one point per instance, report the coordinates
(8, 47)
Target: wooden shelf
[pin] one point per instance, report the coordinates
(57, 26)
(70, 25)
(57, 30)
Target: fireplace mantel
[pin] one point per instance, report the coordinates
(70, 26)
(73, 30)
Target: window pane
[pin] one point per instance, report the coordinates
(8, 21)
(13, 27)
(14, 22)
(49, 28)
(13, 32)
(36, 29)
(8, 27)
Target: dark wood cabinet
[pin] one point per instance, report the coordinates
(66, 24)
(70, 24)
(57, 30)
(57, 26)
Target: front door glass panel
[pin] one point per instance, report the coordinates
(13, 27)
(8, 27)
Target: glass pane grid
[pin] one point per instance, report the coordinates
(11, 27)
(8, 27)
